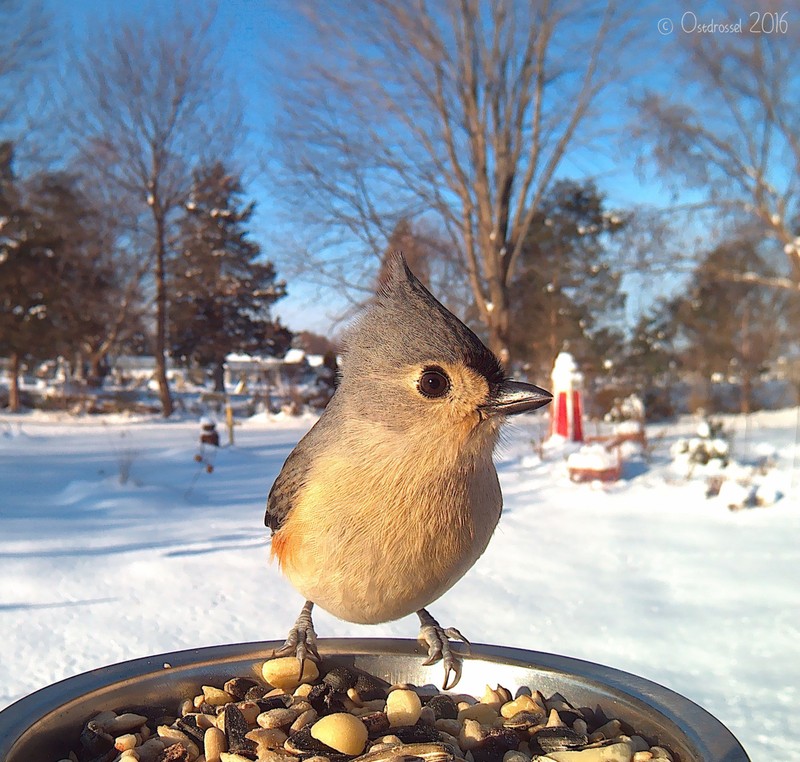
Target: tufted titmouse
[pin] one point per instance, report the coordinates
(392, 496)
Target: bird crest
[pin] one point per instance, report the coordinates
(405, 323)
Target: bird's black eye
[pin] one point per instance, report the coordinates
(434, 383)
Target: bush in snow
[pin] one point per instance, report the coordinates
(710, 444)
(630, 408)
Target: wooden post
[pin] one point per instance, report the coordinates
(229, 420)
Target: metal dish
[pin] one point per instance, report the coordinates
(43, 727)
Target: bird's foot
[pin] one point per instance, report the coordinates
(437, 639)
(302, 639)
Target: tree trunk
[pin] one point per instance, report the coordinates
(552, 332)
(498, 343)
(498, 323)
(746, 380)
(554, 342)
(746, 404)
(161, 318)
(78, 368)
(218, 376)
(498, 315)
(96, 372)
(13, 389)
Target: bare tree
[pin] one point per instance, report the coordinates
(22, 40)
(24, 51)
(732, 129)
(110, 253)
(463, 111)
(155, 102)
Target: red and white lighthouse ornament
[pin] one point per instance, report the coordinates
(566, 412)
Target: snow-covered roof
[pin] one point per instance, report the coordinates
(292, 357)
(135, 362)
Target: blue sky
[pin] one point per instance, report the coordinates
(255, 30)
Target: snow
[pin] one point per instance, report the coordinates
(645, 575)
(565, 374)
(629, 427)
(292, 356)
(593, 457)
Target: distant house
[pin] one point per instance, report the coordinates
(136, 364)
(295, 368)
(296, 380)
(139, 371)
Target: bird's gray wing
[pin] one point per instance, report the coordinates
(284, 491)
(323, 435)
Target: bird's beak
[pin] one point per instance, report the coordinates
(512, 397)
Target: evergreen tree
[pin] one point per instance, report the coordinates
(222, 289)
(92, 293)
(29, 249)
(59, 284)
(415, 250)
(651, 360)
(650, 353)
(726, 326)
(432, 258)
(567, 292)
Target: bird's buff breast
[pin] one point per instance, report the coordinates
(372, 545)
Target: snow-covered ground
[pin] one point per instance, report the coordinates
(646, 575)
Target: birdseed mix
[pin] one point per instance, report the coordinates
(351, 716)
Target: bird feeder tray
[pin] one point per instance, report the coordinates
(594, 461)
(611, 474)
(46, 724)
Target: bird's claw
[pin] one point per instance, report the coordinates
(453, 633)
(454, 666)
(301, 642)
(437, 639)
